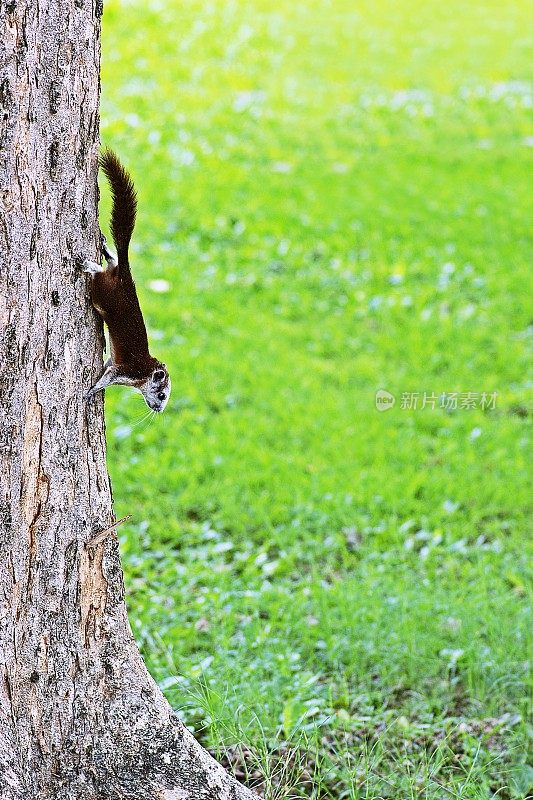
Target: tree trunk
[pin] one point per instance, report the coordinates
(80, 717)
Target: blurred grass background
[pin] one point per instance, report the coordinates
(334, 198)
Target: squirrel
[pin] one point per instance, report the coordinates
(114, 297)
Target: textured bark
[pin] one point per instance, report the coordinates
(79, 715)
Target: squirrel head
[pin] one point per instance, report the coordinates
(156, 389)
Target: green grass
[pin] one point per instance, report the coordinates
(337, 195)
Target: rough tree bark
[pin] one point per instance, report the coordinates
(80, 717)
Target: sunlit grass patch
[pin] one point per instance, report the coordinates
(333, 200)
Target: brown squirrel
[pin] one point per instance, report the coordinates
(115, 298)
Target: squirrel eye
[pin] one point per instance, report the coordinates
(161, 396)
(159, 375)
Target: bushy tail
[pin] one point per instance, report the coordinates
(124, 203)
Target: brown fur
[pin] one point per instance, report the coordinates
(124, 203)
(115, 298)
(113, 292)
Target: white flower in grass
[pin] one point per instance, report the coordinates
(159, 285)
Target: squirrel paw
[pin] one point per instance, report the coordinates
(91, 267)
(108, 255)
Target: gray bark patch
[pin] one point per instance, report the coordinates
(80, 717)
